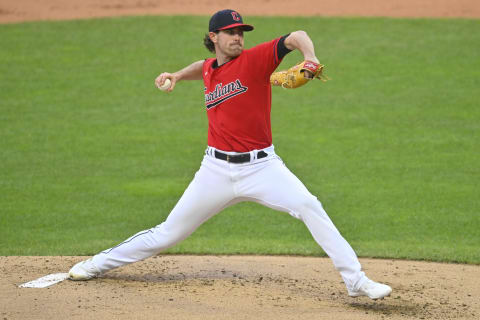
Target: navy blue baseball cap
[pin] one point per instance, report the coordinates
(227, 19)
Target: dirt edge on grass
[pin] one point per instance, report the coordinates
(12, 11)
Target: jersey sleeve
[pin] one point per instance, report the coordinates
(266, 56)
(282, 50)
(207, 63)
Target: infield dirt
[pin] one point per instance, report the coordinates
(236, 287)
(26, 10)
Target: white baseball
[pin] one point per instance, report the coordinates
(166, 85)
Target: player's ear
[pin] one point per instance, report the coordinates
(213, 36)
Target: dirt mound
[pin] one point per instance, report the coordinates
(238, 287)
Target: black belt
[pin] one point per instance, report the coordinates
(238, 158)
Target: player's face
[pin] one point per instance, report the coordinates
(230, 42)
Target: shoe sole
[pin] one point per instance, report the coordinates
(354, 295)
(78, 278)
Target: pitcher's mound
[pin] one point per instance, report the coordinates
(238, 287)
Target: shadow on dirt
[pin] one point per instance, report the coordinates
(387, 307)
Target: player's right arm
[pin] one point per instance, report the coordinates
(191, 72)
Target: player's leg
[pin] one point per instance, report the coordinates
(277, 187)
(208, 193)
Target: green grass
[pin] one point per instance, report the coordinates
(91, 152)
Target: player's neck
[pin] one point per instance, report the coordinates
(222, 58)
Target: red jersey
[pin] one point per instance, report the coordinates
(238, 98)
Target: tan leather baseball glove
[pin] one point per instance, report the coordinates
(298, 75)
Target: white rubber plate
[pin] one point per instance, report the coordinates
(46, 281)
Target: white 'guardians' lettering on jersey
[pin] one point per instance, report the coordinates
(223, 92)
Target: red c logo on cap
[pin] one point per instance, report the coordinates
(235, 16)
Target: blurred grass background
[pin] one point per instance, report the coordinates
(91, 152)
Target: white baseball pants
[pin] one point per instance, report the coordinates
(219, 184)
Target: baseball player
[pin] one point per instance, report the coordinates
(240, 163)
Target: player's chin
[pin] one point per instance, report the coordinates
(235, 52)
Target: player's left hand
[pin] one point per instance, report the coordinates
(298, 75)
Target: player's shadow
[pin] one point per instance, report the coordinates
(172, 277)
(386, 309)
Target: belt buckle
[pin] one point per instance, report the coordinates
(228, 158)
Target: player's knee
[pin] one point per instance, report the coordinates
(164, 237)
(308, 205)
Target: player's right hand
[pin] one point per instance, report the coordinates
(160, 80)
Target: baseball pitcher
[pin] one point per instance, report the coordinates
(240, 163)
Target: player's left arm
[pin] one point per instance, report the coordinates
(299, 40)
(303, 72)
